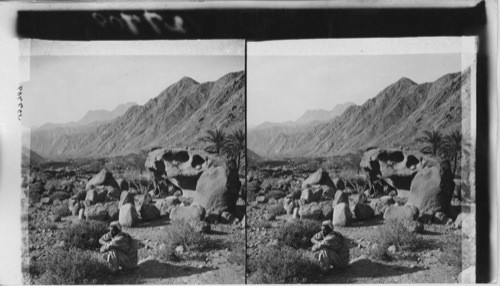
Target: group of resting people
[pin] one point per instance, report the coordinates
(120, 251)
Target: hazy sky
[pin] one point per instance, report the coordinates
(282, 88)
(63, 88)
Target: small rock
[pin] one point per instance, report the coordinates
(179, 249)
(81, 213)
(261, 199)
(392, 249)
(273, 201)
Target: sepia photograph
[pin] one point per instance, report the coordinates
(361, 161)
(133, 162)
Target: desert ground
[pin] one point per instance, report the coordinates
(60, 246)
(437, 251)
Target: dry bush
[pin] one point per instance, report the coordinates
(85, 234)
(62, 210)
(279, 266)
(394, 232)
(183, 233)
(69, 267)
(277, 210)
(298, 234)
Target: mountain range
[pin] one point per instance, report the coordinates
(310, 116)
(395, 117)
(92, 117)
(178, 117)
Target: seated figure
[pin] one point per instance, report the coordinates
(331, 247)
(119, 248)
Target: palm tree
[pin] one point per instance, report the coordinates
(453, 146)
(236, 146)
(433, 140)
(217, 140)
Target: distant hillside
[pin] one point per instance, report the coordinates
(309, 117)
(395, 117)
(322, 114)
(94, 117)
(178, 117)
(105, 115)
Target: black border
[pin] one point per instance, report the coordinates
(280, 24)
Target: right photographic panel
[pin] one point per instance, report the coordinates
(361, 161)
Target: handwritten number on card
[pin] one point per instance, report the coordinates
(20, 104)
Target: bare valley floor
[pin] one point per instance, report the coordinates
(444, 255)
(222, 265)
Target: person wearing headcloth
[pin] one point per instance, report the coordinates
(119, 248)
(331, 247)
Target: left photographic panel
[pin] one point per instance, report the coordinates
(133, 162)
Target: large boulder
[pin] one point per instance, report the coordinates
(406, 212)
(363, 212)
(96, 212)
(165, 205)
(432, 189)
(217, 189)
(342, 214)
(316, 210)
(149, 212)
(320, 177)
(311, 194)
(211, 179)
(186, 213)
(180, 167)
(128, 216)
(103, 178)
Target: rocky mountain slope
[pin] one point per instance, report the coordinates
(178, 117)
(395, 117)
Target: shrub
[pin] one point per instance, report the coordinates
(166, 252)
(279, 266)
(394, 232)
(298, 234)
(85, 234)
(277, 210)
(183, 233)
(70, 267)
(62, 210)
